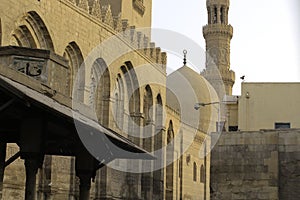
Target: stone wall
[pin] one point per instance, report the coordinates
(256, 165)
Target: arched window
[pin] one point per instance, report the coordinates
(119, 102)
(132, 86)
(215, 15)
(148, 103)
(23, 38)
(132, 99)
(100, 90)
(158, 112)
(40, 30)
(32, 33)
(202, 174)
(170, 135)
(195, 172)
(222, 15)
(77, 72)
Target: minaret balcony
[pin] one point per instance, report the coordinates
(221, 29)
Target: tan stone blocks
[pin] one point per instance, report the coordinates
(256, 167)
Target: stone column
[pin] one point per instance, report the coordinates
(135, 128)
(31, 167)
(218, 14)
(226, 15)
(210, 15)
(2, 163)
(30, 142)
(147, 178)
(85, 186)
(158, 174)
(85, 168)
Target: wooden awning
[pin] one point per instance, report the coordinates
(64, 121)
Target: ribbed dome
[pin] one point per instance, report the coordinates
(193, 88)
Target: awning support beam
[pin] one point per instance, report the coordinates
(6, 105)
(12, 159)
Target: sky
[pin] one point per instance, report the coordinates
(265, 46)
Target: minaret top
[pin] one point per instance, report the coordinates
(217, 11)
(217, 2)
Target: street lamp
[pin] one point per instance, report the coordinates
(198, 105)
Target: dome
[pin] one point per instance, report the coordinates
(185, 88)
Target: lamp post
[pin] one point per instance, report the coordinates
(198, 105)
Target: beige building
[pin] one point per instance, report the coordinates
(265, 106)
(269, 106)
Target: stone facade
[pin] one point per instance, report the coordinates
(71, 30)
(256, 165)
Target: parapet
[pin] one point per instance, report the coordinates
(138, 40)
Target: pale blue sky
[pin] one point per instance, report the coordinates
(265, 45)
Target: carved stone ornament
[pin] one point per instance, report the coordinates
(138, 5)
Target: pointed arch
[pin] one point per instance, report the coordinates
(100, 90)
(32, 33)
(215, 15)
(74, 56)
(134, 99)
(222, 10)
(40, 30)
(195, 172)
(170, 135)
(23, 37)
(159, 111)
(119, 102)
(148, 105)
(202, 174)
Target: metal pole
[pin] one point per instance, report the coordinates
(219, 116)
(205, 165)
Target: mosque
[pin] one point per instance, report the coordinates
(57, 38)
(89, 112)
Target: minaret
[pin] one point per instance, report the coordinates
(217, 34)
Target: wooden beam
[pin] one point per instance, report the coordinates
(12, 159)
